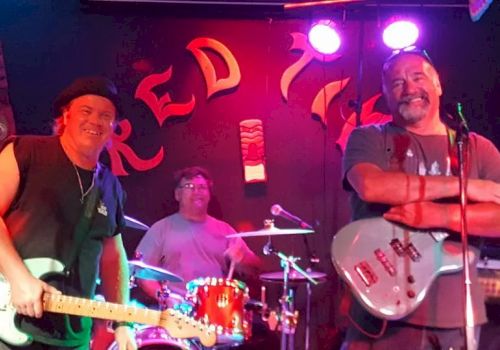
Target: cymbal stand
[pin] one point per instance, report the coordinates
(288, 317)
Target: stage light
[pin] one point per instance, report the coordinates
(400, 34)
(324, 38)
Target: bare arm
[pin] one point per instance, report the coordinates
(245, 259)
(482, 218)
(115, 276)
(114, 270)
(394, 188)
(26, 289)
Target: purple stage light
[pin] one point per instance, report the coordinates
(324, 38)
(400, 34)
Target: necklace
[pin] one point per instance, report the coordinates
(83, 194)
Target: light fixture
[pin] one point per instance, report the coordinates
(400, 34)
(324, 38)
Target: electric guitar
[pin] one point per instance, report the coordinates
(174, 322)
(390, 268)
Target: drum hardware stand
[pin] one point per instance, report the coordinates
(288, 316)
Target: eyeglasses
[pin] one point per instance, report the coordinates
(410, 50)
(191, 186)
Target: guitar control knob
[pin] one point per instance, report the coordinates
(410, 279)
(411, 294)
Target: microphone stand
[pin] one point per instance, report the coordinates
(462, 146)
(313, 260)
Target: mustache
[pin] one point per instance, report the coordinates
(406, 99)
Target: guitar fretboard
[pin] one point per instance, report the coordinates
(99, 309)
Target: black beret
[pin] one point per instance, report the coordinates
(95, 85)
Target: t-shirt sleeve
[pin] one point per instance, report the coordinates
(365, 145)
(489, 159)
(150, 247)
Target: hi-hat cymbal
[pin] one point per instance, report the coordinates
(293, 276)
(134, 223)
(272, 231)
(142, 270)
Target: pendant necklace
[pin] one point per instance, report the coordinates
(82, 193)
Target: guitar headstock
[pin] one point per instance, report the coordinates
(179, 325)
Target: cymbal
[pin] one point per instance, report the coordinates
(273, 231)
(293, 276)
(142, 270)
(134, 223)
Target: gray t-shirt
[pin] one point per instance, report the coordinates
(392, 148)
(189, 248)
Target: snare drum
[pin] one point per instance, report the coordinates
(221, 302)
(156, 338)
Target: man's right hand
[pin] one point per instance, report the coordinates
(26, 295)
(483, 191)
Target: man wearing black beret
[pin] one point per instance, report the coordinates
(58, 202)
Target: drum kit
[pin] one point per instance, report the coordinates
(224, 303)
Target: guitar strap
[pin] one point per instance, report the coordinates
(82, 228)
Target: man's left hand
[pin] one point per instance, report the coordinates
(420, 215)
(125, 338)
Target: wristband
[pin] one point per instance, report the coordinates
(116, 324)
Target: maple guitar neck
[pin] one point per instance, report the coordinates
(65, 304)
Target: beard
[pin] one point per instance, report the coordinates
(413, 112)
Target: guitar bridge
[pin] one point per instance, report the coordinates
(366, 273)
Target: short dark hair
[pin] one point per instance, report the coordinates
(190, 173)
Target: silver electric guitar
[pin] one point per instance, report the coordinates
(390, 268)
(175, 323)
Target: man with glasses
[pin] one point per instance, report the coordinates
(406, 172)
(191, 243)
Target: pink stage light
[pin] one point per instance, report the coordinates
(324, 38)
(400, 34)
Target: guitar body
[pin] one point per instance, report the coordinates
(390, 268)
(8, 331)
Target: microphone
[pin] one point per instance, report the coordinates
(277, 210)
(457, 120)
(461, 119)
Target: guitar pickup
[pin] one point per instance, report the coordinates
(382, 258)
(398, 247)
(413, 253)
(366, 273)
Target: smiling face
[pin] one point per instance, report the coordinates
(193, 196)
(88, 123)
(412, 89)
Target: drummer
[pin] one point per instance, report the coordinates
(191, 243)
